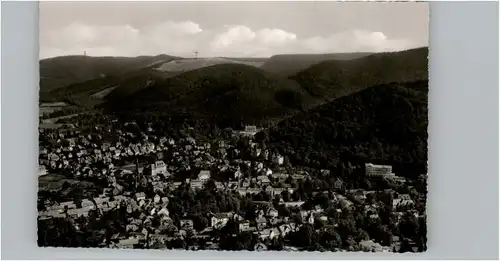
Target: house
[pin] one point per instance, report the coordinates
(219, 185)
(272, 212)
(267, 171)
(323, 217)
(140, 196)
(237, 174)
(402, 200)
(233, 184)
(250, 128)
(196, 184)
(325, 172)
(263, 180)
(278, 159)
(310, 219)
(159, 167)
(279, 176)
(132, 228)
(372, 170)
(157, 199)
(266, 154)
(268, 233)
(276, 191)
(358, 195)
(247, 163)
(253, 191)
(293, 203)
(298, 176)
(370, 209)
(338, 184)
(42, 170)
(191, 140)
(396, 179)
(260, 247)
(128, 243)
(370, 246)
(242, 191)
(261, 222)
(219, 220)
(249, 131)
(245, 226)
(186, 224)
(204, 176)
(285, 229)
(259, 165)
(164, 201)
(269, 190)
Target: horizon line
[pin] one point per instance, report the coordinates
(228, 57)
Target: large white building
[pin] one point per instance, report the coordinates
(158, 167)
(204, 176)
(249, 131)
(378, 170)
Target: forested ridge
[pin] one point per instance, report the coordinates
(382, 124)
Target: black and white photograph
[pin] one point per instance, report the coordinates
(242, 126)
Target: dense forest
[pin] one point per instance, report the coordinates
(336, 78)
(232, 95)
(228, 94)
(290, 64)
(60, 72)
(382, 124)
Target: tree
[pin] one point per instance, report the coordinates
(405, 246)
(40, 205)
(331, 239)
(286, 196)
(277, 199)
(210, 185)
(65, 185)
(322, 200)
(244, 241)
(362, 235)
(200, 222)
(409, 226)
(306, 236)
(297, 218)
(283, 211)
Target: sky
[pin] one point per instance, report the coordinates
(229, 29)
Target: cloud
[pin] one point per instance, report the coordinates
(275, 36)
(240, 40)
(182, 38)
(355, 41)
(168, 37)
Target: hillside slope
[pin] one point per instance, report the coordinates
(290, 64)
(382, 124)
(185, 65)
(82, 79)
(332, 79)
(226, 94)
(62, 71)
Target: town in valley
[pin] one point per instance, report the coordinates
(125, 188)
(222, 126)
